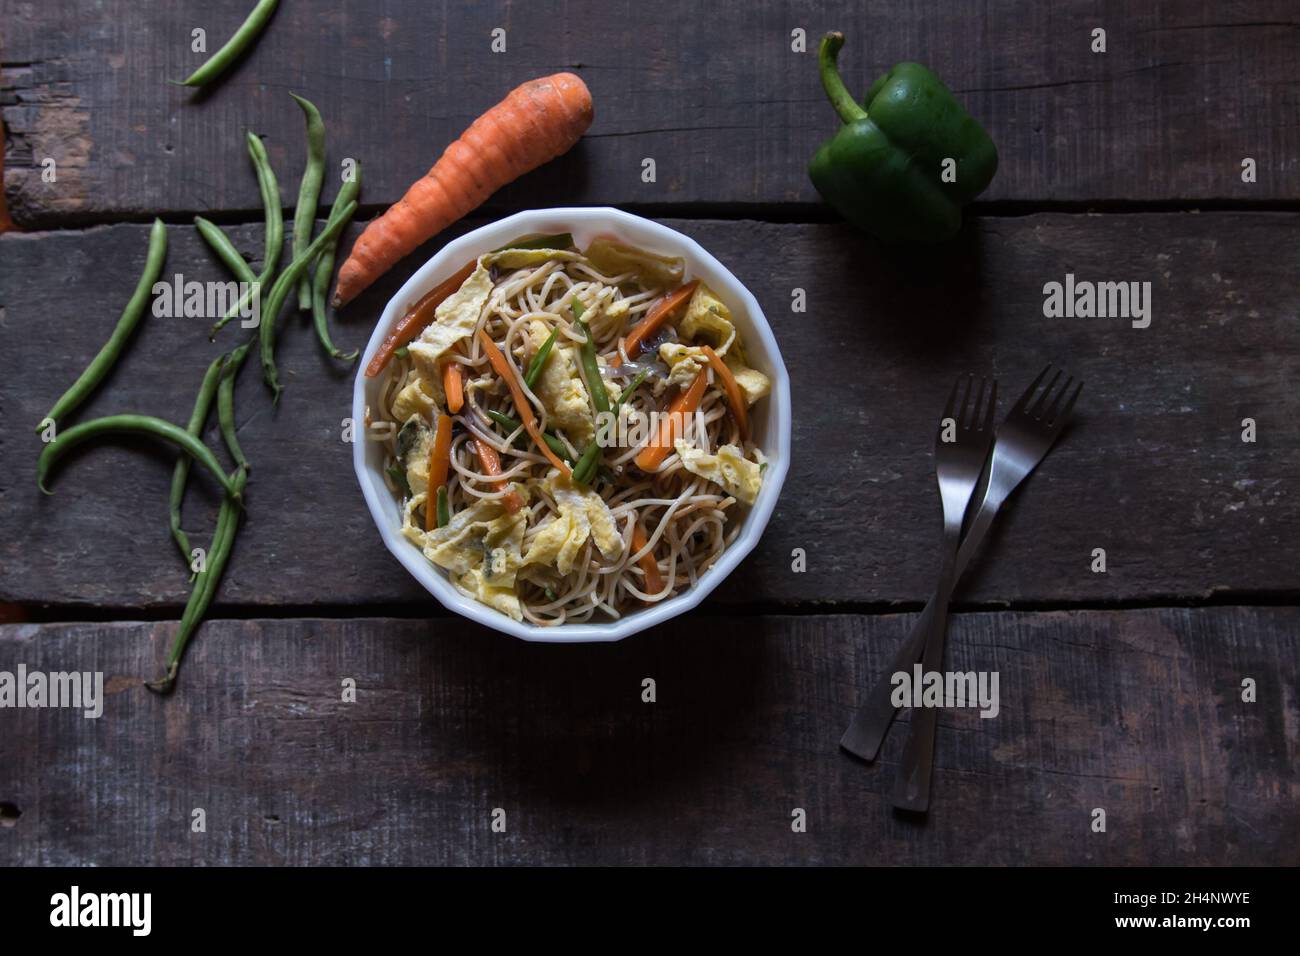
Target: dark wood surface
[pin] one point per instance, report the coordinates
(1134, 712)
(1119, 690)
(1184, 92)
(1155, 470)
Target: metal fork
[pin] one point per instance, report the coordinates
(1031, 428)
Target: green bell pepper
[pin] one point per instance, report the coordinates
(903, 167)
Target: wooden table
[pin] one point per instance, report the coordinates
(1120, 690)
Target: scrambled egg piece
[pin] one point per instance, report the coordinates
(731, 470)
(614, 258)
(416, 398)
(708, 319)
(684, 362)
(454, 320)
(561, 390)
(414, 442)
(753, 384)
(480, 547)
(582, 515)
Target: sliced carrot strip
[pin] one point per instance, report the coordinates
(502, 368)
(491, 462)
(731, 388)
(453, 383)
(654, 582)
(416, 319)
(656, 317)
(439, 466)
(673, 423)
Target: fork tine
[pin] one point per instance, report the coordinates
(965, 400)
(1060, 419)
(1029, 392)
(972, 420)
(1049, 414)
(1035, 410)
(949, 410)
(992, 408)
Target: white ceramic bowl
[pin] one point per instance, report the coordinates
(770, 421)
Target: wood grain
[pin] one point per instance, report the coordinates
(1154, 471)
(1136, 712)
(730, 114)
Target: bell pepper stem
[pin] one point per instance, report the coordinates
(836, 91)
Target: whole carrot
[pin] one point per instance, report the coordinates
(535, 123)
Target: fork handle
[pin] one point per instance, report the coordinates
(912, 785)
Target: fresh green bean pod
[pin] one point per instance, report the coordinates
(538, 363)
(320, 285)
(273, 243)
(225, 250)
(108, 355)
(280, 292)
(181, 473)
(131, 424)
(304, 214)
(205, 586)
(243, 38)
(226, 403)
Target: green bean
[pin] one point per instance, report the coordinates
(223, 540)
(225, 250)
(108, 354)
(234, 47)
(587, 463)
(559, 240)
(304, 214)
(134, 424)
(512, 425)
(181, 473)
(591, 370)
(273, 243)
(325, 270)
(444, 509)
(539, 360)
(280, 292)
(226, 402)
(624, 395)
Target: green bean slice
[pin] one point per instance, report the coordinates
(444, 509)
(131, 424)
(234, 47)
(111, 350)
(512, 425)
(539, 360)
(280, 292)
(304, 214)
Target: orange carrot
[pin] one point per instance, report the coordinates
(416, 319)
(654, 582)
(439, 466)
(732, 390)
(534, 123)
(672, 424)
(502, 368)
(453, 383)
(491, 462)
(656, 317)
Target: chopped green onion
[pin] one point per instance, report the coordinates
(399, 478)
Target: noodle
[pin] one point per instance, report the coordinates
(688, 520)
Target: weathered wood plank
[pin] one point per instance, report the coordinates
(1137, 712)
(1184, 92)
(1155, 471)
